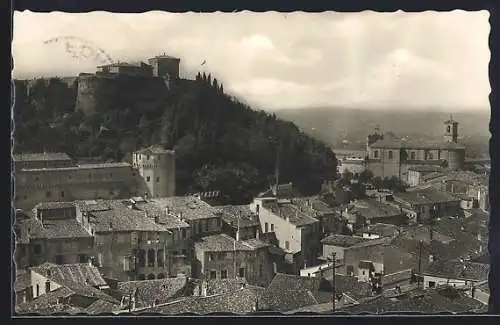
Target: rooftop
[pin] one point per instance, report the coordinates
(290, 212)
(381, 229)
(428, 195)
(52, 229)
(151, 292)
(241, 301)
(429, 301)
(188, 207)
(372, 208)
(456, 269)
(241, 215)
(425, 169)
(137, 64)
(54, 205)
(71, 274)
(164, 56)
(46, 156)
(342, 240)
(155, 150)
(80, 167)
(49, 303)
(285, 191)
(395, 143)
(313, 204)
(221, 243)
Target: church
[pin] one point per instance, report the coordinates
(389, 156)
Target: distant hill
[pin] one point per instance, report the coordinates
(335, 124)
(221, 144)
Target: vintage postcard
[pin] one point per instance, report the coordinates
(245, 162)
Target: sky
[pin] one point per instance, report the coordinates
(280, 61)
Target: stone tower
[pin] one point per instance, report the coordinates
(165, 66)
(451, 130)
(156, 166)
(374, 137)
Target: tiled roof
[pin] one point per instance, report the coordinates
(51, 229)
(456, 269)
(81, 166)
(53, 205)
(231, 214)
(287, 210)
(48, 303)
(100, 307)
(425, 169)
(395, 143)
(428, 195)
(188, 207)
(47, 156)
(381, 229)
(221, 243)
(313, 204)
(288, 292)
(169, 221)
(123, 218)
(155, 150)
(242, 301)
(373, 242)
(151, 292)
(342, 240)
(371, 208)
(429, 301)
(220, 286)
(396, 277)
(70, 274)
(256, 243)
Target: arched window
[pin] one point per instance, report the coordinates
(151, 276)
(151, 257)
(141, 258)
(37, 290)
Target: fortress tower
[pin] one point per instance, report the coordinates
(165, 66)
(451, 130)
(156, 165)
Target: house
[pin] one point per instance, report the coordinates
(455, 273)
(379, 230)
(239, 219)
(203, 218)
(337, 244)
(416, 173)
(318, 207)
(297, 232)
(429, 203)
(54, 232)
(369, 211)
(146, 293)
(221, 257)
(129, 244)
(73, 286)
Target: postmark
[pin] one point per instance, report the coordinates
(81, 49)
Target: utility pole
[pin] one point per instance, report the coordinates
(334, 257)
(420, 244)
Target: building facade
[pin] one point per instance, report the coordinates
(388, 156)
(157, 168)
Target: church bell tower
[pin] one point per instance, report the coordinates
(451, 130)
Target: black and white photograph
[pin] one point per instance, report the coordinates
(250, 162)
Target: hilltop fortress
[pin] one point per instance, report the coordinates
(98, 91)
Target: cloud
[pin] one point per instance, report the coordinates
(277, 61)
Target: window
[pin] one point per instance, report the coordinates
(183, 233)
(430, 156)
(448, 128)
(141, 277)
(210, 257)
(148, 179)
(375, 154)
(82, 258)
(159, 258)
(272, 227)
(36, 178)
(223, 274)
(37, 290)
(389, 154)
(62, 193)
(157, 179)
(350, 270)
(47, 286)
(213, 274)
(147, 157)
(241, 272)
(261, 269)
(48, 194)
(111, 192)
(412, 155)
(266, 227)
(37, 249)
(111, 175)
(161, 276)
(59, 259)
(287, 245)
(184, 252)
(151, 276)
(363, 272)
(432, 284)
(25, 197)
